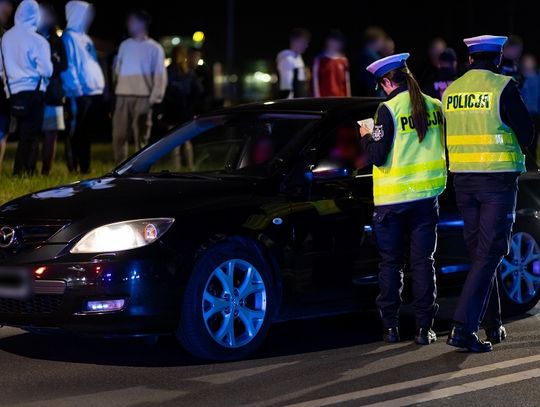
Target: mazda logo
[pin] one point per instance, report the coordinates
(7, 236)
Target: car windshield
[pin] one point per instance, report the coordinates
(244, 143)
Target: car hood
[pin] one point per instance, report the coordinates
(117, 198)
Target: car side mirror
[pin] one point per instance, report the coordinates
(328, 172)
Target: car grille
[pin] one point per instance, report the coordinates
(36, 234)
(39, 304)
(30, 234)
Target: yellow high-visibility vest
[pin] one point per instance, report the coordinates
(477, 138)
(414, 170)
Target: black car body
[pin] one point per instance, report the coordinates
(275, 200)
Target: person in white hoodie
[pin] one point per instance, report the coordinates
(26, 68)
(83, 81)
(6, 11)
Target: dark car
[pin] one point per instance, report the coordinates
(241, 218)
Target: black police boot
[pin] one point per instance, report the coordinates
(424, 336)
(391, 335)
(496, 335)
(459, 338)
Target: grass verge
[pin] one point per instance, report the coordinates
(12, 187)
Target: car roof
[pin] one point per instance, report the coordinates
(327, 105)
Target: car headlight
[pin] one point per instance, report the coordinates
(120, 236)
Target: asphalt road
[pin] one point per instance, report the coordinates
(329, 361)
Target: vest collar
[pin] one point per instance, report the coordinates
(484, 65)
(397, 91)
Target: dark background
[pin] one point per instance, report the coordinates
(262, 27)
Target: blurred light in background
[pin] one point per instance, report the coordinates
(175, 40)
(59, 32)
(198, 36)
(200, 62)
(262, 77)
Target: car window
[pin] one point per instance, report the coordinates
(213, 150)
(238, 144)
(340, 150)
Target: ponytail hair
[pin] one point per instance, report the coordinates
(404, 77)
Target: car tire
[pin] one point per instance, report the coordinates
(518, 294)
(214, 304)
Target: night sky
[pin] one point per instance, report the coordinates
(262, 26)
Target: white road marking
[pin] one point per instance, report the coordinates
(458, 390)
(232, 376)
(386, 348)
(380, 365)
(117, 398)
(376, 391)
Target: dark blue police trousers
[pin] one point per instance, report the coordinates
(394, 225)
(488, 219)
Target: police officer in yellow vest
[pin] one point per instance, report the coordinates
(406, 148)
(486, 123)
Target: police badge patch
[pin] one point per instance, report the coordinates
(378, 133)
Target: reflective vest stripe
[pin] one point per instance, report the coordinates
(479, 139)
(484, 157)
(413, 168)
(411, 187)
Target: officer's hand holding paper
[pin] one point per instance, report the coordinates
(366, 126)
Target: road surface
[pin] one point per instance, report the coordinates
(327, 361)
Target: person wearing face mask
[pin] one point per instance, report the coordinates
(83, 81)
(53, 120)
(26, 68)
(406, 148)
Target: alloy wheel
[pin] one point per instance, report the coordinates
(234, 303)
(520, 270)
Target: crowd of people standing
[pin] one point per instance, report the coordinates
(56, 83)
(331, 73)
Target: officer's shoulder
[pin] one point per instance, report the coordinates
(505, 78)
(448, 90)
(433, 100)
(383, 108)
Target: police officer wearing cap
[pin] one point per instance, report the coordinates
(406, 148)
(487, 125)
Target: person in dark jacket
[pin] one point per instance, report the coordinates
(182, 96)
(183, 89)
(6, 13)
(436, 47)
(53, 120)
(374, 42)
(512, 51)
(443, 76)
(198, 65)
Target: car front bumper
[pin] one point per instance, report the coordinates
(58, 296)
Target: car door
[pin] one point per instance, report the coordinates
(330, 213)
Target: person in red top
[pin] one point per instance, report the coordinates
(331, 69)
